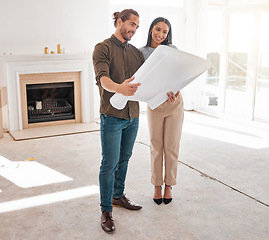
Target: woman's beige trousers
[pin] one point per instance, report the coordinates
(165, 127)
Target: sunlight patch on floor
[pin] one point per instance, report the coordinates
(226, 131)
(27, 174)
(226, 136)
(48, 198)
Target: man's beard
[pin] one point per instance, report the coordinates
(124, 34)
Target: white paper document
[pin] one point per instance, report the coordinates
(167, 69)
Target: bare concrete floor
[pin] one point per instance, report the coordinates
(222, 191)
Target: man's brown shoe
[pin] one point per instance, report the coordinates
(126, 203)
(107, 222)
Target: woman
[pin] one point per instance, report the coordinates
(165, 122)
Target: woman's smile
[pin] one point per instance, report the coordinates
(159, 38)
(159, 33)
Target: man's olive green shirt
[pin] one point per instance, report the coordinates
(118, 61)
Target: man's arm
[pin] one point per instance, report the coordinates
(126, 88)
(101, 67)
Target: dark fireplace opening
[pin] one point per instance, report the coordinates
(50, 102)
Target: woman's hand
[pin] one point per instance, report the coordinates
(172, 97)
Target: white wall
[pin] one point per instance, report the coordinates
(27, 26)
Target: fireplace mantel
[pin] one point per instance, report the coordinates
(43, 57)
(12, 66)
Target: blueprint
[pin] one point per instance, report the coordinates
(167, 69)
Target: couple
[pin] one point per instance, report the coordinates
(115, 61)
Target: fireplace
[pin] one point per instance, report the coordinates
(50, 102)
(50, 98)
(22, 75)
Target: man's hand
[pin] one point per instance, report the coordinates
(127, 88)
(172, 97)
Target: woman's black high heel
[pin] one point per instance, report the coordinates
(158, 200)
(167, 200)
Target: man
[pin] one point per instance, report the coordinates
(115, 61)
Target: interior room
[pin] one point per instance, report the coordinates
(50, 147)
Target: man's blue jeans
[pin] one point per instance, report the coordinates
(117, 139)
